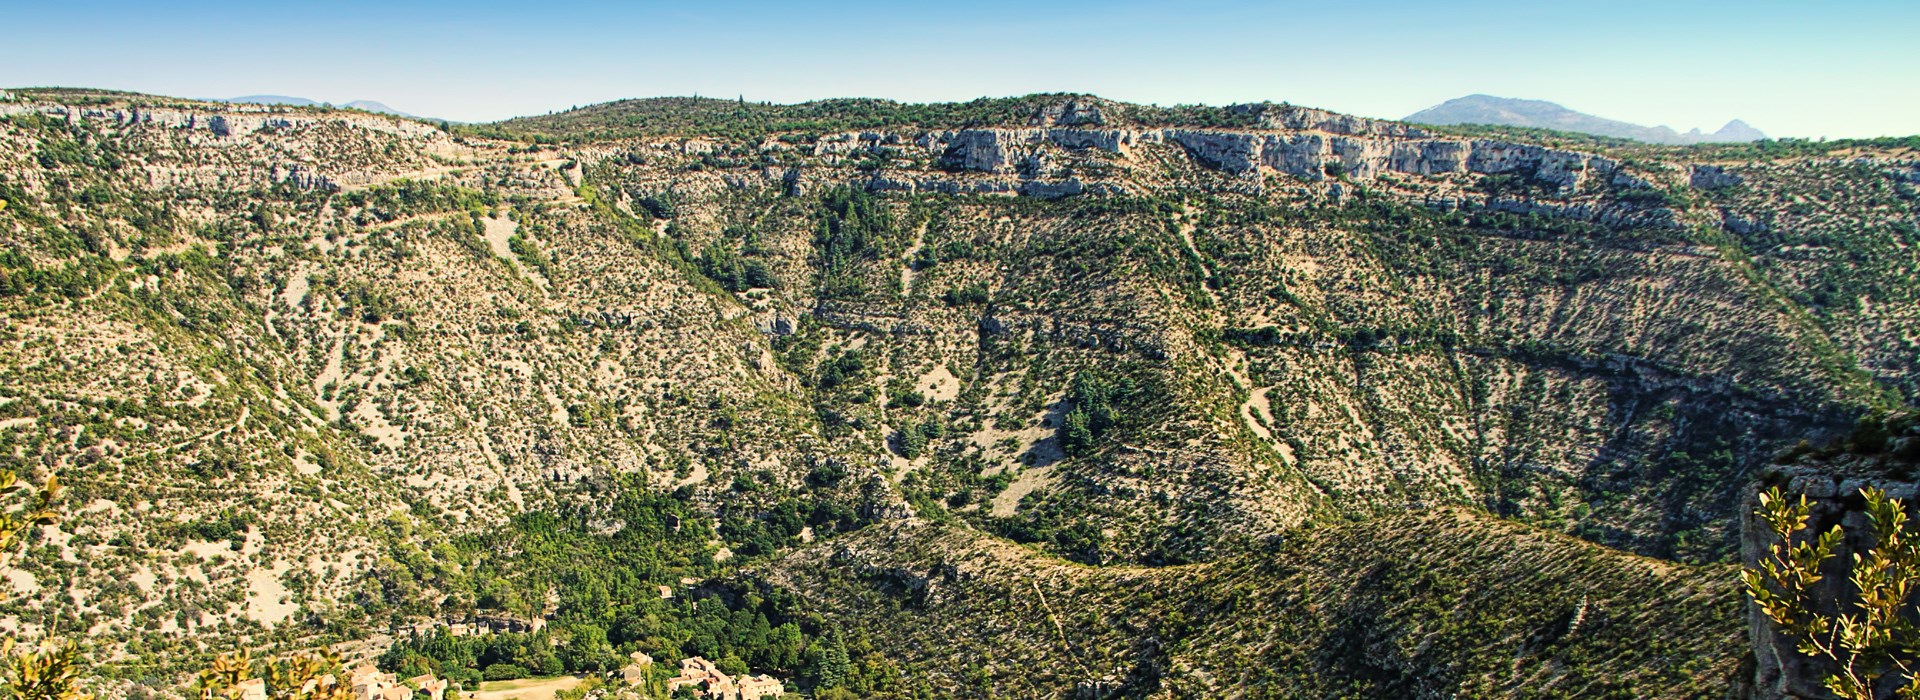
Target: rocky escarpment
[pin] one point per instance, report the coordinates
(240, 147)
(227, 122)
(1077, 139)
(1052, 162)
(1315, 156)
(1303, 154)
(1831, 481)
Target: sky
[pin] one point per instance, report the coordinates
(1835, 69)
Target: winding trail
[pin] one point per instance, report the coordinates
(1057, 627)
(238, 423)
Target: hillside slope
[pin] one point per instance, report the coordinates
(306, 369)
(1429, 605)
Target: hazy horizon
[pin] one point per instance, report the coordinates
(1786, 71)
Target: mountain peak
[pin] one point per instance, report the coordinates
(1737, 130)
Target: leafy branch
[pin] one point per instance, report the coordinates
(1872, 638)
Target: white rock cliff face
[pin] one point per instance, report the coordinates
(1307, 144)
(226, 122)
(231, 131)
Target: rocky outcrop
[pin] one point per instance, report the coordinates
(1111, 140)
(856, 142)
(1742, 224)
(1303, 143)
(1291, 118)
(1003, 150)
(979, 150)
(1313, 155)
(1307, 155)
(1051, 190)
(1236, 153)
(237, 121)
(301, 177)
(1074, 112)
(1711, 177)
(1610, 215)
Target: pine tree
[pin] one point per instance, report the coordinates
(828, 661)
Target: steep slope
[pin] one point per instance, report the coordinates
(214, 343)
(1429, 605)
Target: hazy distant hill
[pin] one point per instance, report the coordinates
(271, 100)
(372, 106)
(363, 105)
(1507, 111)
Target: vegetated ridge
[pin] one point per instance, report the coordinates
(1442, 410)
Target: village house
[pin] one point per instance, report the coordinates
(707, 680)
(435, 688)
(760, 686)
(368, 683)
(635, 672)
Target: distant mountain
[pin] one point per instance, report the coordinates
(362, 105)
(271, 100)
(1507, 111)
(372, 106)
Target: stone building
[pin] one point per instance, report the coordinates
(635, 672)
(709, 682)
(435, 688)
(760, 686)
(368, 683)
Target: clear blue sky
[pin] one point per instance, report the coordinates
(1836, 69)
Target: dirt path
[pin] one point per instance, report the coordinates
(333, 373)
(1057, 627)
(699, 475)
(296, 291)
(245, 411)
(1256, 406)
(906, 268)
(1187, 216)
